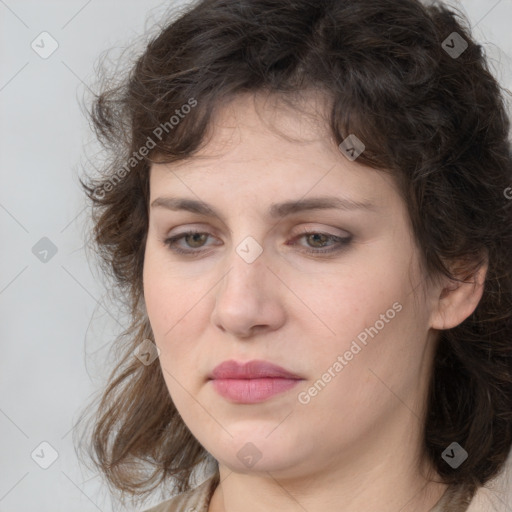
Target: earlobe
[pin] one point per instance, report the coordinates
(456, 300)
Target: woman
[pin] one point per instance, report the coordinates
(306, 206)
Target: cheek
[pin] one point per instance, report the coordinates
(156, 297)
(344, 303)
(366, 313)
(381, 344)
(167, 296)
(174, 307)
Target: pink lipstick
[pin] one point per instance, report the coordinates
(251, 382)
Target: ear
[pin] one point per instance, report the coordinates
(455, 301)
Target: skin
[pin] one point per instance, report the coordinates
(356, 445)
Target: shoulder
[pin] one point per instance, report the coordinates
(194, 500)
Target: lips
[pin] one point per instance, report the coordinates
(252, 382)
(255, 369)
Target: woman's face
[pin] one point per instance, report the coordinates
(339, 313)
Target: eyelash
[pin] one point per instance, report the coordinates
(342, 242)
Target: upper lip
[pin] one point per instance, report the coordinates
(250, 370)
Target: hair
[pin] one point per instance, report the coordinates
(436, 121)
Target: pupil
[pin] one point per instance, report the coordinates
(316, 235)
(195, 235)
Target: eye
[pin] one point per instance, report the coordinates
(316, 237)
(196, 239)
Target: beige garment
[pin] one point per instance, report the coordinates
(198, 500)
(194, 500)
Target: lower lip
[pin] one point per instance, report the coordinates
(250, 391)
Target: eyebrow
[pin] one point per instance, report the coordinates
(276, 210)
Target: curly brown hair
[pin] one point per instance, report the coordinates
(435, 119)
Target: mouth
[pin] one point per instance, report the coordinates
(255, 369)
(251, 382)
(251, 391)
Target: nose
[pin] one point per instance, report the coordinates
(249, 298)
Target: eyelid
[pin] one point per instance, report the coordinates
(309, 227)
(304, 226)
(187, 228)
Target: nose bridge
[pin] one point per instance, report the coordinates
(244, 298)
(247, 233)
(247, 266)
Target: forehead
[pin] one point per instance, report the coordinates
(264, 147)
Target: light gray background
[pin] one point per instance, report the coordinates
(49, 344)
